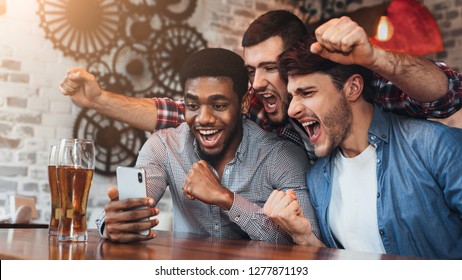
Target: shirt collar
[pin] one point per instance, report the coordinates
(380, 127)
(379, 130)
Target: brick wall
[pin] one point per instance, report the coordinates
(33, 115)
(448, 15)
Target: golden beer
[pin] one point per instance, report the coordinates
(74, 187)
(55, 201)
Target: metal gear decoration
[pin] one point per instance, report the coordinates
(98, 68)
(141, 29)
(115, 82)
(176, 43)
(177, 10)
(139, 7)
(131, 61)
(134, 47)
(116, 144)
(84, 29)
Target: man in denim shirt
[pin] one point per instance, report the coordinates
(384, 183)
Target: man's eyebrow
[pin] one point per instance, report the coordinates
(218, 97)
(262, 64)
(191, 96)
(266, 63)
(302, 89)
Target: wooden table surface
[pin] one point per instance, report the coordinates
(21, 243)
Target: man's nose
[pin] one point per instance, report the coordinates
(205, 116)
(259, 81)
(295, 108)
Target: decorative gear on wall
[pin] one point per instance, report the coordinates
(147, 41)
(178, 10)
(131, 61)
(81, 28)
(175, 44)
(141, 29)
(98, 68)
(116, 143)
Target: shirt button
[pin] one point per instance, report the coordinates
(227, 172)
(216, 227)
(384, 136)
(373, 137)
(378, 161)
(236, 219)
(381, 232)
(378, 195)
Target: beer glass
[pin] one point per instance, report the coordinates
(53, 182)
(76, 161)
(66, 250)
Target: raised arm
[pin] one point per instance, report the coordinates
(432, 87)
(141, 113)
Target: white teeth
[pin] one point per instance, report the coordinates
(308, 123)
(208, 132)
(271, 105)
(267, 95)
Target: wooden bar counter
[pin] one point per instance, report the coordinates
(34, 244)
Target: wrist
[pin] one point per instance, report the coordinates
(383, 62)
(227, 201)
(306, 237)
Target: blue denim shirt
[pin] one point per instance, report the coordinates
(419, 178)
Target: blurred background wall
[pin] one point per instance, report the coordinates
(34, 58)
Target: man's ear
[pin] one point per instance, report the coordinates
(354, 87)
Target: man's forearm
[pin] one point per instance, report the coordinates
(251, 219)
(420, 78)
(140, 113)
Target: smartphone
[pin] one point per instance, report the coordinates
(131, 183)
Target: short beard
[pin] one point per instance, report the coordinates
(339, 121)
(285, 116)
(217, 156)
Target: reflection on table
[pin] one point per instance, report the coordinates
(35, 244)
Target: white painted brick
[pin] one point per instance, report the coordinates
(55, 119)
(45, 132)
(60, 107)
(64, 132)
(38, 104)
(35, 144)
(51, 93)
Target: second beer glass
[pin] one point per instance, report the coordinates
(53, 182)
(76, 161)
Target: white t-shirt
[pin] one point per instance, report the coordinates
(353, 205)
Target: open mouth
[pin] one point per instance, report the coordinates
(269, 102)
(313, 128)
(209, 137)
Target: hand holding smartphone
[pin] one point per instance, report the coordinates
(131, 183)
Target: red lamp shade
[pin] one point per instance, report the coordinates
(416, 31)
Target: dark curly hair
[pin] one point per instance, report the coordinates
(275, 23)
(216, 62)
(299, 60)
